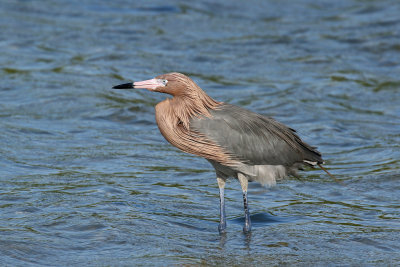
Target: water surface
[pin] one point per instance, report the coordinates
(87, 179)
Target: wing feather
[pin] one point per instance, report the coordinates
(254, 139)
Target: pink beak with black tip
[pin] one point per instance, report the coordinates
(151, 84)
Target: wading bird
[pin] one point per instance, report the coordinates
(237, 142)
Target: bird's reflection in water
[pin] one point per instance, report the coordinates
(224, 236)
(222, 239)
(247, 240)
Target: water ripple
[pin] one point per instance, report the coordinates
(87, 179)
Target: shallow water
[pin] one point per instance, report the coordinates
(87, 179)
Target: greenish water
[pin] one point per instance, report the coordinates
(87, 179)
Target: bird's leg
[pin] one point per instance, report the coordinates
(247, 222)
(222, 216)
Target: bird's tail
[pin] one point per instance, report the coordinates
(330, 175)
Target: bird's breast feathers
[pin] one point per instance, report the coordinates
(187, 140)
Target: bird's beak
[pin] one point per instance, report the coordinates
(124, 86)
(147, 84)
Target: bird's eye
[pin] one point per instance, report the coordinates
(164, 82)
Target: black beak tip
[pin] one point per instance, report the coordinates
(124, 86)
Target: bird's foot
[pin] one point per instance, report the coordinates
(221, 228)
(247, 226)
(246, 229)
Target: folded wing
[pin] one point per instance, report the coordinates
(254, 139)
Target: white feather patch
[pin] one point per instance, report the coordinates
(310, 162)
(264, 174)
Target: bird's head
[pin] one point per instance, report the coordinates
(173, 83)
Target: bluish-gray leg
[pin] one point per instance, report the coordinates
(222, 216)
(247, 222)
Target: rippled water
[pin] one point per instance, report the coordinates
(87, 179)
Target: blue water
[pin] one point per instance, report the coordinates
(87, 179)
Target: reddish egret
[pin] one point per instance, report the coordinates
(237, 142)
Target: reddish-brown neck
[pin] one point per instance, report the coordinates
(186, 106)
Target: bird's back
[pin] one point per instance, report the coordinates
(255, 140)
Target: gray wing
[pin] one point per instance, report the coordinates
(253, 138)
